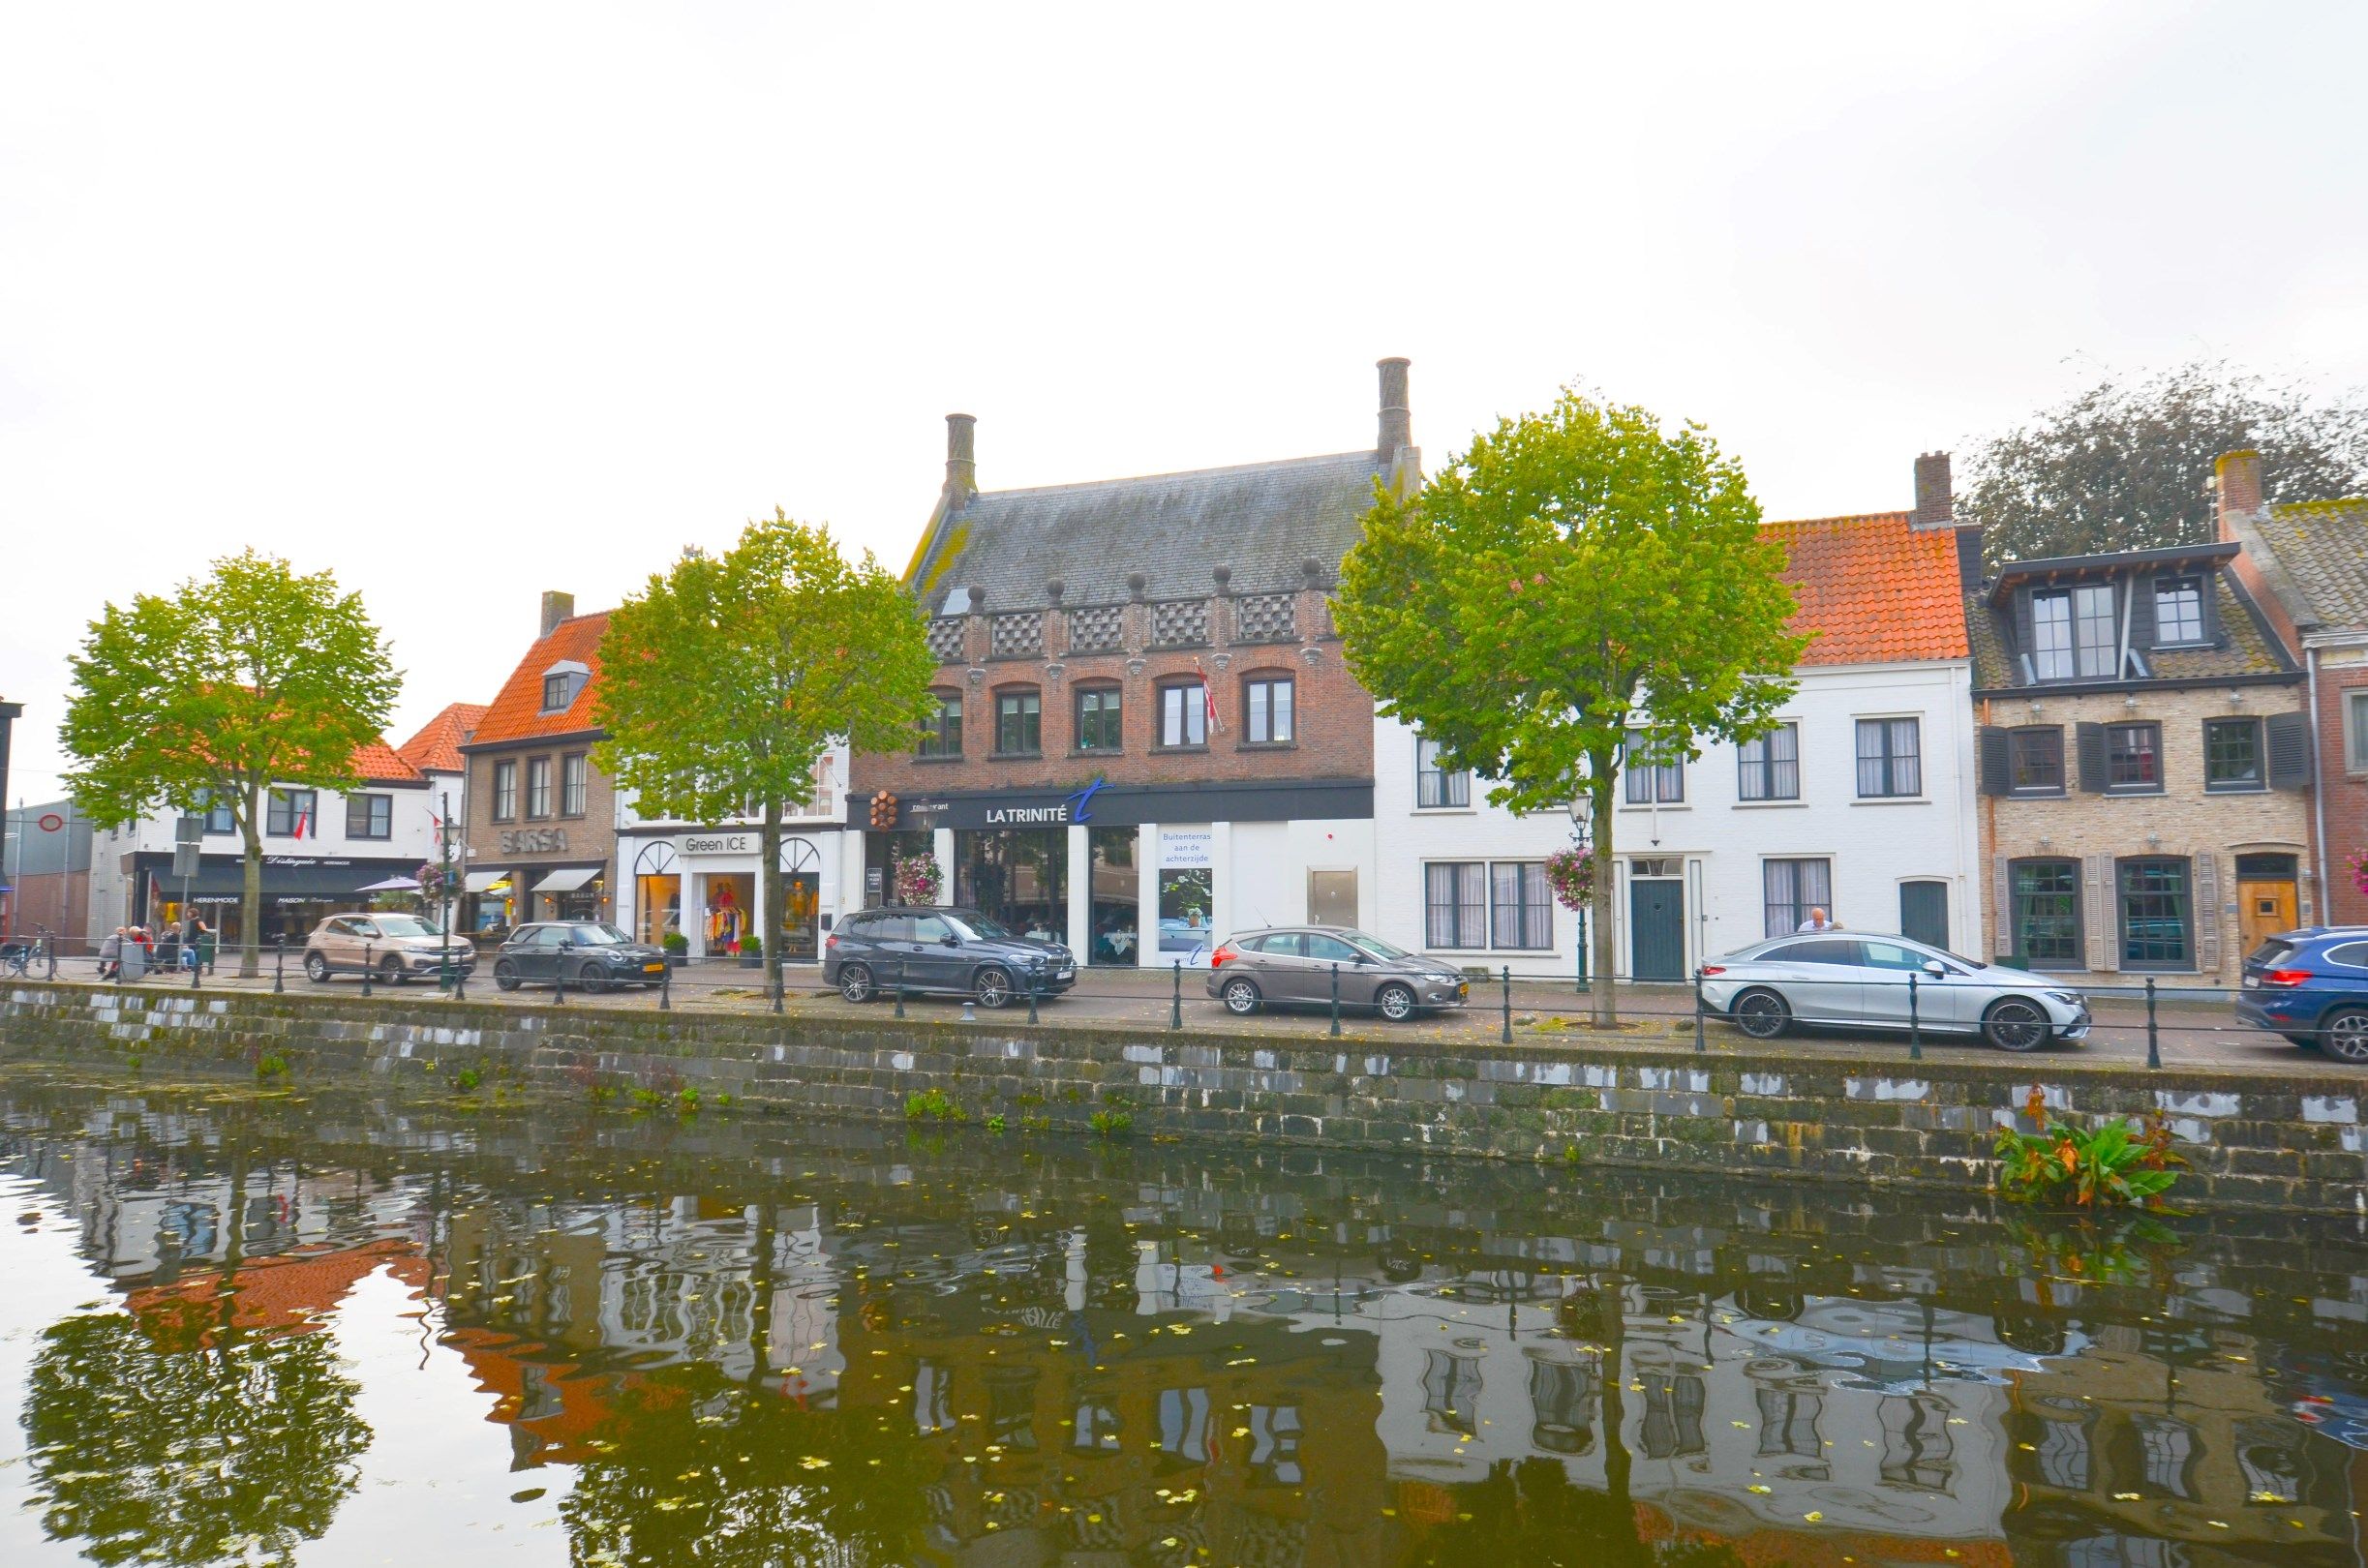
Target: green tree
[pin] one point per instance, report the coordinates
(252, 676)
(1576, 587)
(727, 679)
(2128, 465)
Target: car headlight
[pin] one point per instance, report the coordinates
(2070, 999)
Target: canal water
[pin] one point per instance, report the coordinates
(333, 1331)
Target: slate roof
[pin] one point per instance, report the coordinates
(2250, 650)
(1260, 520)
(516, 712)
(1872, 589)
(437, 747)
(2324, 548)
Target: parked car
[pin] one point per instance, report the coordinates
(1292, 966)
(2312, 986)
(394, 947)
(943, 950)
(1837, 979)
(592, 956)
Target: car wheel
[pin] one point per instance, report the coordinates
(393, 973)
(2343, 1034)
(1241, 995)
(1396, 1002)
(505, 974)
(992, 987)
(316, 969)
(2015, 1025)
(1761, 1013)
(855, 983)
(590, 980)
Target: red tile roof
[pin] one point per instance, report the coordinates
(517, 714)
(378, 764)
(437, 747)
(1872, 589)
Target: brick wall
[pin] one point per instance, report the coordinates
(1332, 714)
(2342, 671)
(590, 836)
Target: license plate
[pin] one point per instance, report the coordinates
(2251, 983)
(1066, 974)
(653, 968)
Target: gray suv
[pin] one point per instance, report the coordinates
(938, 951)
(1296, 966)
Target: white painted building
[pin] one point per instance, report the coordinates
(1863, 803)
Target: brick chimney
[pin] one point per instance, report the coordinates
(2236, 488)
(1397, 422)
(961, 458)
(556, 607)
(1935, 501)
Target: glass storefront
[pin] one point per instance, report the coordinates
(883, 852)
(658, 893)
(726, 902)
(1115, 917)
(800, 925)
(1188, 891)
(1018, 875)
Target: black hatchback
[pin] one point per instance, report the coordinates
(591, 956)
(942, 952)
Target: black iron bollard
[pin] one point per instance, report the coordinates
(1505, 983)
(2154, 1038)
(279, 965)
(1336, 1001)
(1701, 1039)
(460, 982)
(558, 984)
(1035, 976)
(367, 967)
(1915, 1023)
(1175, 1002)
(900, 985)
(665, 986)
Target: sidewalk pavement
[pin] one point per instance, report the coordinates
(2197, 1032)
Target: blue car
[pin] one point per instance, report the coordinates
(2312, 986)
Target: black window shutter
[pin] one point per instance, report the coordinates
(2211, 611)
(2290, 751)
(2141, 611)
(2092, 757)
(1998, 774)
(2022, 629)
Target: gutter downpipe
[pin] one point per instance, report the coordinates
(2318, 797)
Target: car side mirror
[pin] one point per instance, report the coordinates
(953, 940)
(1936, 969)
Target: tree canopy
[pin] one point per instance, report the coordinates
(727, 679)
(253, 676)
(2126, 465)
(1575, 576)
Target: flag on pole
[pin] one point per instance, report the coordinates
(1208, 698)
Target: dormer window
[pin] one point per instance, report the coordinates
(2073, 633)
(561, 683)
(2178, 612)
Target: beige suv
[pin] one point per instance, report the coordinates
(393, 947)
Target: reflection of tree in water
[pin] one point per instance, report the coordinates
(699, 1470)
(1528, 1514)
(157, 1443)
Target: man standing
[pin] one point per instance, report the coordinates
(1817, 920)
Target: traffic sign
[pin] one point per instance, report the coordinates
(184, 861)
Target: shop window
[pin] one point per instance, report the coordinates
(1187, 890)
(506, 792)
(2157, 914)
(1649, 778)
(538, 787)
(941, 731)
(2178, 610)
(2134, 758)
(1890, 759)
(1455, 904)
(1184, 715)
(1437, 786)
(1099, 726)
(369, 816)
(1117, 899)
(1267, 712)
(2232, 754)
(1791, 888)
(1769, 766)
(1019, 723)
(1521, 909)
(2044, 900)
(1018, 876)
(2035, 756)
(292, 814)
(574, 774)
(219, 818)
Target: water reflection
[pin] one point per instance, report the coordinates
(753, 1343)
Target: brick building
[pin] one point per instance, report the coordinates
(2145, 764)
(1145, 735)
(541, 819)
(2308, 567)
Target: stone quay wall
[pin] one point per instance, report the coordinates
(2292, 1142)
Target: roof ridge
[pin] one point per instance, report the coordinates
(1904, 514)
(1176, 473)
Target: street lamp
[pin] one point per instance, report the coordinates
(1582, 828)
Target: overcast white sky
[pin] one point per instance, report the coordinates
(470, 302)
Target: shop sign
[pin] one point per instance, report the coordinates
(302, 860)
(720, 844)
(1188, 846)
(536, 841)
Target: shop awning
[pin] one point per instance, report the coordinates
(220, 879)
(566, 879)
(483, 881)
(391, 884)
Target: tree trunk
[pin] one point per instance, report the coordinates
(768, 914)
(251, 890)
(1603, 998)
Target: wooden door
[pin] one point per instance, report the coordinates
(2264, 909)
(1656, 928)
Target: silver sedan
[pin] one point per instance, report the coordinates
(1862, 982)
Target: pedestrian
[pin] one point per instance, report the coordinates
(190, 924)
(1817, 921)
(110, 955)
(208, 944)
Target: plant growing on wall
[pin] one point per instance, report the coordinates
(1578, 583)
(726, 679)
(2104, 1166)
(2358, 863)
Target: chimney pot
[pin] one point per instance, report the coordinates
(556, 607)
(961, 457)
(1397, 422)
(1935, 500)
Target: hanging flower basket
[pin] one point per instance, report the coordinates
(2358, 863)
(1571, 874)
(918, 881)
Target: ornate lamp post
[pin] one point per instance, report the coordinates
(1582, 834)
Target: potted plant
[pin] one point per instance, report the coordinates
(677, 946)
(751, 949)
